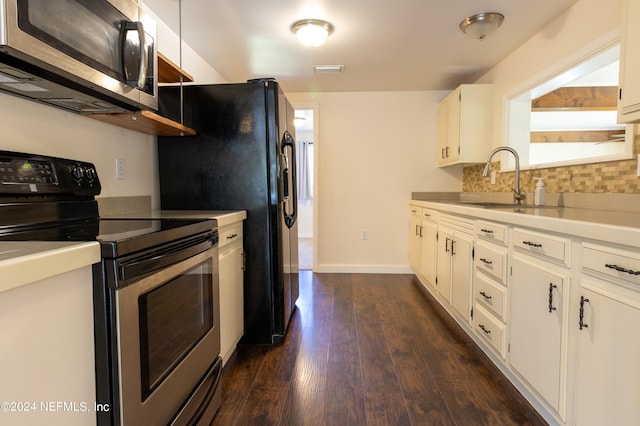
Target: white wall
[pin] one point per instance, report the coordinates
(169, 45)
(29, 127)
(373, 150)
(586, 26)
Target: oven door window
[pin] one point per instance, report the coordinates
(173, 319)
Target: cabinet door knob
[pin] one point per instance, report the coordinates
(581, 323)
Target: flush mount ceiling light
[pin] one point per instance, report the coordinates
(312, 32)
(328, 69)
(481, 25)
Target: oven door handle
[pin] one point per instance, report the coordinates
(141, 267)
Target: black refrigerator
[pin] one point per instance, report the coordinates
(242, 158)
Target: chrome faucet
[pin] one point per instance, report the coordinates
(518, 197)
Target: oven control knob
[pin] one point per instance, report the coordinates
(90, 173)
(77, 173)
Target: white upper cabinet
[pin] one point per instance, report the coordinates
(464, 125)
(629, 94)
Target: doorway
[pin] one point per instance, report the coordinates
(305, 152)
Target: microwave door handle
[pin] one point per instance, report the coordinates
(142, 55)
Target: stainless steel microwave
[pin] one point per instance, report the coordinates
(86, 56)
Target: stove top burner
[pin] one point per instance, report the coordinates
(117, 236)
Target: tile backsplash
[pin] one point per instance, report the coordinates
(608, 177)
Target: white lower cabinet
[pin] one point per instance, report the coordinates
(428, 251)
(561, 312)
(455, 263)
(489, 284)
(415, 238)
(607, 381)
(422, 236)
(490, 328)
(231, 263)
(608, 359)
(536, 340)
(48, 351)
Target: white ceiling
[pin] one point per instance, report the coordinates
(384, 45)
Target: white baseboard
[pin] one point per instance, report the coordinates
(364, 269)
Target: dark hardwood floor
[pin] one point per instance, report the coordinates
(368, 349)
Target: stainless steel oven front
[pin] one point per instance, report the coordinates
(165, 342)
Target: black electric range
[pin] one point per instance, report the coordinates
(53, 199)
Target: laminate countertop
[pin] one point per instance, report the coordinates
(26, 262)
(618, 227)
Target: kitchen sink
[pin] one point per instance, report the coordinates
(489, 204)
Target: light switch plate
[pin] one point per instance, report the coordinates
(119, 168)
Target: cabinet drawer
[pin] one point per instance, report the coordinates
(230, 234)
(417, 211)
(491, 260)
(612, 262)
(492, 330)
(547, 246)
(495, 232)
(430, 215)
(490, 295)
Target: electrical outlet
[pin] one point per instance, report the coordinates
(638, 165)
(365, 234)
(493, 177)
(119, 168)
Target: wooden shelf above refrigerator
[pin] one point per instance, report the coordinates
(145, 122)
(168, 72)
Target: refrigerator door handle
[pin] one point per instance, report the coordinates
(288, 142)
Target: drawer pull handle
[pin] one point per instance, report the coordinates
(532, 244)
(486, 261)
(622, 269)
(483, 328)
(487, 231)
(232, 236)
(551, 307)
(485, 295)
(581, 323)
